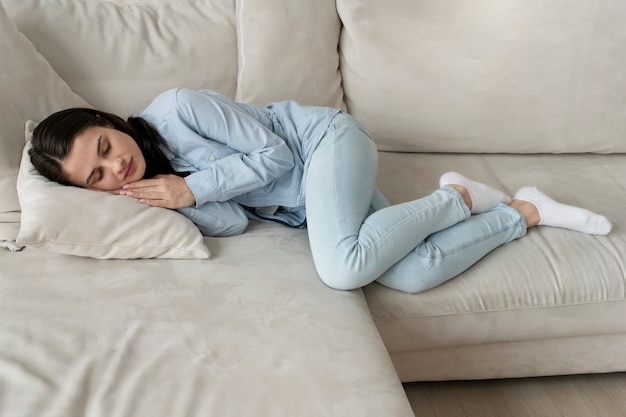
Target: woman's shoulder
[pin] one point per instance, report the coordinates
(185, 100)
(169, 103)
(169, 99)
(160, 105)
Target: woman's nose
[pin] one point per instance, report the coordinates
(116, 165)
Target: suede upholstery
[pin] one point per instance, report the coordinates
(531, 93)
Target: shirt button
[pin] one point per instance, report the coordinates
(212, 158)
(193, 214)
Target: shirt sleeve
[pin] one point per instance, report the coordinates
(260, 155)
(218, 219)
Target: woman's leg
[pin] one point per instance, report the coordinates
(446, 254)
(350, 246)
(416, 245)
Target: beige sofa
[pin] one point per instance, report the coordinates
(513, 94)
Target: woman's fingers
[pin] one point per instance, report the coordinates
(142, 184)
(155, 203)
(168, 191)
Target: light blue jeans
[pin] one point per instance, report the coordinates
(356, 237)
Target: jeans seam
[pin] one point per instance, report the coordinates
(518, 224)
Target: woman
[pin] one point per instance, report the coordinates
(220, 162)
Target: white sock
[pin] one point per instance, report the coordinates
(483, 196)
(555, 214)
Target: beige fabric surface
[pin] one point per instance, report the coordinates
(288, 51)
(30, 89)
(252, 332)
(487, 76)
(552, 284)
(596, 353)
(129, 51)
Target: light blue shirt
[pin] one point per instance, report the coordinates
(245, 162)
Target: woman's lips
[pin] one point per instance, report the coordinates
(130, 168)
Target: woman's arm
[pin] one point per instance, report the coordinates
(236, 153)
(218, 219)
(259, 156)
(213, 218)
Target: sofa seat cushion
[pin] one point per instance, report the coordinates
(251, 332)
(552, 285)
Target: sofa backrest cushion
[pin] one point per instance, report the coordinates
(288, 50)
(487, 76)
(29, 88)
(119, 55)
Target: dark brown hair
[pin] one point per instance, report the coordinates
(53, 139)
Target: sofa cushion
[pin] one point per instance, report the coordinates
(456, 76)
(130, 51)
(253, 332)
(29, 88)
(528, 308)
(76, 221)
(294, 57)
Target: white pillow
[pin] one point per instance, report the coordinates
(29, 88)
(96, 224)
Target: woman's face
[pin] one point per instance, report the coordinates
(103, 158)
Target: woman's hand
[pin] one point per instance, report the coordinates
(169, 191)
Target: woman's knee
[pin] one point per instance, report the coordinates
(342, 277)
(414, 275)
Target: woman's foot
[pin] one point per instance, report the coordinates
(549, 212)
(478, 197)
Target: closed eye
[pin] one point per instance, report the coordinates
(98, 175)
(102, 149)
(106, 148)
